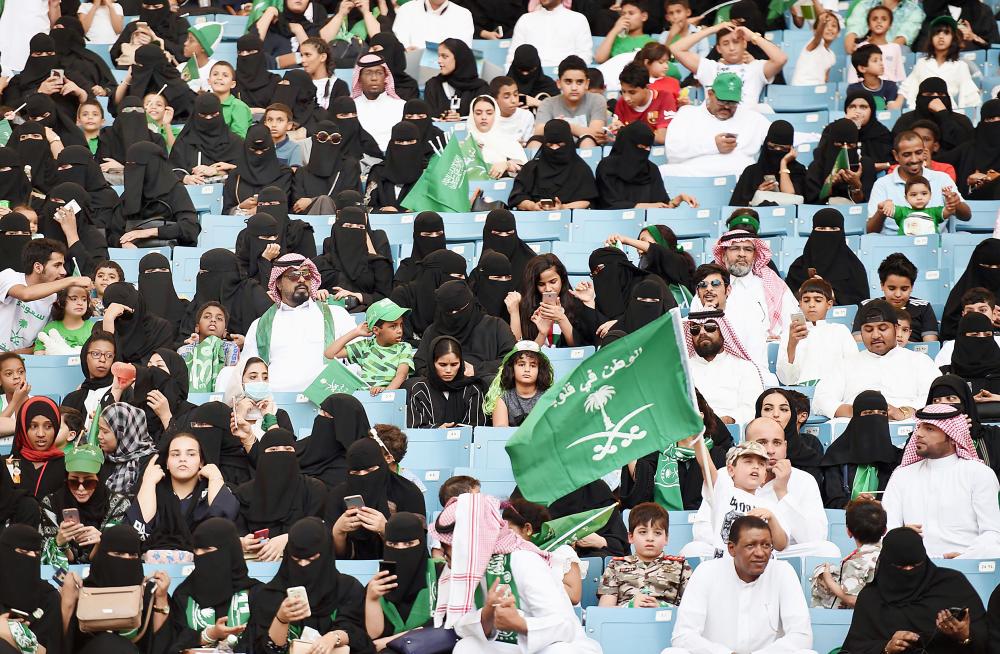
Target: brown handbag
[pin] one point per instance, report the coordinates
(115, 608)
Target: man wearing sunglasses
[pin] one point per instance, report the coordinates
(291, 336)
(722, 370)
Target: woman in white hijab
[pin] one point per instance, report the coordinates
(504, 155)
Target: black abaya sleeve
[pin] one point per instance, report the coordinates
(351, 615)
(185, 226)
(615, 533)
(87, 258)
(523, 187)
(585, 322)
(746, 186)
(993, 620)
(639, 489)
(436, 98)
(834, 495)
(504, 342)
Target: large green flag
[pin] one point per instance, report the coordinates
(630, 398)
(842, 162)
(259, 7)
(570, 528)
(444, 185)
(335, 378)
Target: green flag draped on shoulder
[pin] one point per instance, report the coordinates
(259, 7)
(335, 378)
(570, 528)
(444, 185)
(842, 162)
(630, 398)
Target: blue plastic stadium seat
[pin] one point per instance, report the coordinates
(299, 409)
(489, 449)
(822, 431)
(930, 348)
(432, 479)
(736, 431)
(496, 482)
(772, 355)
(398, 227)
(810, 121)
(829, 627)
(855, 217)
(956, 250)
(494, 51)
(535, 226)
(596, 230)
(837, 530)
(185, 264)
(681, 531)
(428, 448)
(128, 259)
(984, 217)
(575, 256)
(630, 631)
(697, 248)
(664, 216)
(53, 374)
(981, 573)
(494, 190)
(388, 408)
(461, 227)
(843, 315)
(233, 27)
(797, 99)
(220, 231)
(207, 198)
(563, 367)
(591, 570)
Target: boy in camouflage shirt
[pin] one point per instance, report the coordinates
(649, 578)
(834, 588)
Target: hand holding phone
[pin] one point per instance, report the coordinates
(262, 535)
(387, 566)
(354, 502)
(299, 593)
(71, 516)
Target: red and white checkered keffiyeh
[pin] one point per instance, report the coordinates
(480, 532)
(774, 288)
(730, 341)
(957, 429)
(283, 263)
(371, 59)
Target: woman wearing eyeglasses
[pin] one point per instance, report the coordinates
(330, 170)
(95, 359)
(74, 516)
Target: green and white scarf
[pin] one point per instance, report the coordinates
(499, 568)
(295, 630)
(24, 638)
(666, 481)
(238, 614)
(420, 611)
(266, 324)
(865, 481)
(204, 363)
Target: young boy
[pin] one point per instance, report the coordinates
(385, 360)
(812, 346)
(904, 327)
(513, 121)
(627, 34)
(71, 425)
(13, 383)
(917, 219)
(106, 273)
(90, 120)
(211, 321)
(160, 115)
(236, 113)
(897, 275)
(978, 299)
(649, 578)
(834, 588)
(638, 103)
(585, 112)
(278, 119)
(393, 442)
(679, 17)
(867, 60)
(202, 39)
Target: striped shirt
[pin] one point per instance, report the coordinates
(379, 363)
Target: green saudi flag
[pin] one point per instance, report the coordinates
(335, 378)
(259, 7)
(5, 128)
(842, 162)
(630, 398)
(444, 185)
(568, 529)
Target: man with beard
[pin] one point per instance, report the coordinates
(722, 370)
(291, 336)
(901, 375)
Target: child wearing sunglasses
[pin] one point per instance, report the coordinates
(811, 345)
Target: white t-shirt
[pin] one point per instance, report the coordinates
(20, 321)
(812, 66)
(101, 30)
(752, 75)
(518, 126)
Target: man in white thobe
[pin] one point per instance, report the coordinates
(743, 603)
(298, 328)
(715, 138)
(903, 376)
(555, 31)
(432, 21)
(374, 93)
(944, 490)
(722, 370)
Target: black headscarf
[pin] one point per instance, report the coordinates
(172, 383)
(952, 384)
(255, 84)
(138, 333)
(780, 132)
(157, 289)
(130, 126)
(866, 439)
(357, 142)
(322, 581)
(517, 251)
(666, 258)
(71, 48)
(975, 357)
(631, 162)
(330, 168)
(91, 383)
(640, 311)
(373, 487)
(555, 173)
(19, 584)
(33, 149)
(297, 91)
(411, 562)
(874, 138)
(58, 196)
(107, 571)
(218, 575)
(976, 274)
(394, 55)
(218, 444)
(346, 261)
(151, 71)
(209, 137)
(987, 138)
(83, 169)
(526, 70)
(275, 493)
(491, 293)
(404, 164)
(249, 249)
(613, 284)
(457, 313)
(244, 298)
(833, 259)
(173, 523)
(93, 512)
(419, 295)
(322, 453)
(148, 177)
(802, 455)
(43, 110)
(425, 221)
(255, 171)
(465, 77)
(431, 136)
(14, 185)
(454, 406)
(15, 233)
(825, 155)
(37, 68)
(931, 85)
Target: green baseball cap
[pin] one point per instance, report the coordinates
(208, 35)
(384, 309)
(944, 20)
(84, 458)
(728, 87)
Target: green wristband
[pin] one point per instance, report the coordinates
(268, 421)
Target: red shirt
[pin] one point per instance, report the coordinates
(658, 114)
(668, 86)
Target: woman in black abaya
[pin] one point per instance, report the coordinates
(827, 251)
(776, 154)
(434, 269)
(336, 601)
(983, 270)
(206, 139)
(874, 138)
(158, 211)
(912, 594)
(156, 286)
(353, 260)
(500, 235)
(975, 158)
(15, 187)
(862, 459)
(220, 280)
(557, 173)
(95, 390)
(392, 51)
(419, 113)
(130, 127)
(329, 171)
(167, 25)
(459, 78)
(15, 233)
(357, 142)
(446, 396)
(71, 47)
(491, 282)
(526, 70)
(295, 236)
(428, 237)
(210, 424)
(953, 390)
(91, 247)
(838, 135)
(43, 110)
(976, 358)
(614, 279)
(956, 128)
(252, 242)
(297, 91)
(257, 167)
(356, 533)
(150, 73)
(650, 299)
(23, 589)
(31, 144)
(626, 178)
(255, 84)
(391, 180)
(137, 332)
(340, 422)
(76, 164)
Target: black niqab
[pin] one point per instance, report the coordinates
(15, 233)
(275, 493)
(130, 126)
(650, 299)
(255, 84)
(357, 142)
(404, 164)
(491, 293)
(419, 296)
(151, 71)
(526, 70)
(108, 571)
(614, 278)
(157, 289)
(457, 313)
(500, 235)
(833, 259)
(206, 141)
(866, 439)
(978, 273)
(19, 584)
(322, 453)
(138, 333)
(975, 357)
(219, 280)
(217, 575)
(14, 185)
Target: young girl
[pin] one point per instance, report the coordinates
(942, 61)
(663, 73)
(816, 59)
(504, 154)
(317, 60)
(13, 383)
(70, 323)
(524, 375)
(107, 273)
(879, 23)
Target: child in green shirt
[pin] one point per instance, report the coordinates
(160, 115)
(385, 359)
(70, 320)
(235, 112)
(917, 219)
(627, 34)
(90, 120)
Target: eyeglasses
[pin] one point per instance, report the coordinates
(327, 137)
(293, 275)
(715, 283)
(85, 484)
(101, 356)
(696, 328)
(133, 110)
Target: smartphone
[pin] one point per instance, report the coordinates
(5, 204)
(456, 102)
(799, 318)
(546, 203)
(73, 206)
(71, 516)
(500, 30)
(770, 179)
(354, 502)
(141, 23)
(299, 592)
(550, 298)
(522, 99)
(60, 73)
(387, 566)
(19, 614)
(957, 613)
(262, 534)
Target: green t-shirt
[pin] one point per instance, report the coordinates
(379, 364)
(625, 44)
(935, 214)
(237, 115)
(73, 337)
(92, 144)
